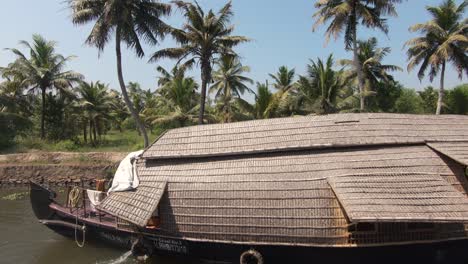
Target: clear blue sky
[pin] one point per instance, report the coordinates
(281, 31)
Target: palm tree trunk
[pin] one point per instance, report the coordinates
(206, 78)
(43, 91)
(129, 103)
(358, 68)
(95, 130)
(91, 132)
(440, 100)
(85, 135)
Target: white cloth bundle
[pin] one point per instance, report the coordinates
(125, 177)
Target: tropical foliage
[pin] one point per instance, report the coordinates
(346, 15)
(444, 40)
(43, 71)
(129, 20)
(41, 98)
(203, 38)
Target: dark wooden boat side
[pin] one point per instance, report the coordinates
(60, 220)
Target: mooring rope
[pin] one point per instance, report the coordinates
(83, 230)
(73, 200)
(74, 197)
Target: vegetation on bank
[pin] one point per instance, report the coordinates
(45, 106)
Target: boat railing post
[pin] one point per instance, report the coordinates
(68, 196)
(84, 197)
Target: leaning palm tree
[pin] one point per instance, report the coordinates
(202, 39)
(444, 40)
(346, 15)
(229, 84)
(43, 70)
(129, 20)
(370, 58)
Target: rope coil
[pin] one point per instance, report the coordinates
(74, 197)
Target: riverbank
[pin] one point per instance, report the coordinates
(57, 168)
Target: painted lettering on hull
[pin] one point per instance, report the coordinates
(170, 245)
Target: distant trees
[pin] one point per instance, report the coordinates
(444, 40)
(345, 16)
(95, 102)
(203, 38)
(43, 70)
(38, 92)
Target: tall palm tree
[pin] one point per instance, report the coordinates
(283, 82)
(346, 15)
(444, 40)
(96, 103)
(370, 58)
(43, 70)
(229, 84)
(203, 38)
(129, 20)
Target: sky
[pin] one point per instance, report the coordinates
(281, 33)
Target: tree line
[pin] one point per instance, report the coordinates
(38, 91)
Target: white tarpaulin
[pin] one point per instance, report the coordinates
(125, 177)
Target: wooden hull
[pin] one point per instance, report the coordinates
(64, 223)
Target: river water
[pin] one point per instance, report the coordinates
(24, 240)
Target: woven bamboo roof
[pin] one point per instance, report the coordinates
(301, 195)
(455, 150)
(281, 134)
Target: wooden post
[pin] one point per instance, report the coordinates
(84, 199)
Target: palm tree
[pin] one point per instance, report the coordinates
(370, 59)
(43, 70)
(444, 40)
(322, 86)
(177, 103)
(96, 103)
(202, 39)
(345, 15)
(229, 84)
(130, 20)
(262, 100)
(284, 83)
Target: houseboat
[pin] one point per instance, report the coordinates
(343, 188)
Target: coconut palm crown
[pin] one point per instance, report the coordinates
(203, 38)
(346, 15)
(444, 40)
(127, 20)
(229, 84)
(43, 70)
(374, 71)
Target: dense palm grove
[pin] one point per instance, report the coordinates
(41, 98)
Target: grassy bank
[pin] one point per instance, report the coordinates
(113, 141)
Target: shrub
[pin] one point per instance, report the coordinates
(66, 145)
(409, 102)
